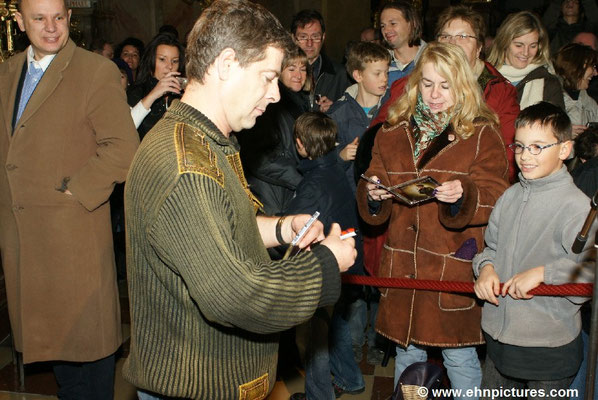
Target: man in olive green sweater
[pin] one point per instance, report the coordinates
(206, 300)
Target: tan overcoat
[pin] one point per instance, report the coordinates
(57, 249)
(423, 239)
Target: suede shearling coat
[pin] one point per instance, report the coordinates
(56, 249)
(423, 239)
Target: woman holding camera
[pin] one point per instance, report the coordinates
(157, 82)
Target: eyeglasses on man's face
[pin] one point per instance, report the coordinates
(305, 38)
(534, 149)
(461, 37)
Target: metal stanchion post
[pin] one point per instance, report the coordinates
(593, 340)
(577, 247)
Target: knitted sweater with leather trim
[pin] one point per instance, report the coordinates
(206, 300)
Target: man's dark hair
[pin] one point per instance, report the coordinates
(411, 15)
(98, 44)
(169, 29)
(124, 67)
(586, 144)
(130, 41)
(147, 65)
(376, 32)
(546, 115)
(304, 17)
(246, 27)
(317, 131)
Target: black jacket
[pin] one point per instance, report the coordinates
(137, 92)
(333, 79)
(585, 176)
(325, 189)
(560, 32)
(553, 91)
(268, 152)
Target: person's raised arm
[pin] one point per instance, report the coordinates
(168, 84)
(287, 227)
(227, 273)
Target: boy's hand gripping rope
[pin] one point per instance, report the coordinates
(570, 289)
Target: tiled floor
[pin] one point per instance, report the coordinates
(39, 380)
(40, 383)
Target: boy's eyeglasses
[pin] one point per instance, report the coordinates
(305, 38)
(534, 149)
(462, 37)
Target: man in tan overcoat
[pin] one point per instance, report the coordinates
(62, 150)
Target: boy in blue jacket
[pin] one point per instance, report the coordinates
(367, 63)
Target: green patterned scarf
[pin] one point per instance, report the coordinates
(428, 126)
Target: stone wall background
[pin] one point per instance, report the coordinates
(116, 19)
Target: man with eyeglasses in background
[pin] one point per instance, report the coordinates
(330, 78)
(401, 27)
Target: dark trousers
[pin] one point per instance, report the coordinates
(85, 380)
(493, 379)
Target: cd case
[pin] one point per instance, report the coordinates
(411, 192)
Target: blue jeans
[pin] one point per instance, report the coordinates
(462, 365)
(358, 322)
(329, 351)
(141, 395)
(579, 382)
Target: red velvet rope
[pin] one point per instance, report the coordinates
(569, 289)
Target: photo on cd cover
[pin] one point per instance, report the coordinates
(411, 192)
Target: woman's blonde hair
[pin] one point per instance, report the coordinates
(514, 26)
(450, 62)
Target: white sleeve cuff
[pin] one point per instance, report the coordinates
(139, 112)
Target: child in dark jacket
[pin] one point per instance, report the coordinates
(324, 189)
(368, 64)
